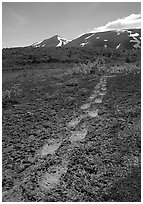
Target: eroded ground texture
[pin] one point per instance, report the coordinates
(72, 138)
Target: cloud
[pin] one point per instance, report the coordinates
(129, 22)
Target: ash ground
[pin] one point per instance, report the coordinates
(103, 167)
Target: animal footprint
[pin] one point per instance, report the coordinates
(75, 121)
(93, 113)
(85, 106)
(78, 135)
(50, 148)
(52, 178)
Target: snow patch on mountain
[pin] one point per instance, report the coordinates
(83, 44)
(89, 36)
(137, 45)
(118, 46)
(134, 34)
(37, 43)
(62, 41)
(86, 41)
(135, 40)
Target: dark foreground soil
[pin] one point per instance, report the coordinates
(104, 167)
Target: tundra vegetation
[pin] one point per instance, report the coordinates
(42, 92)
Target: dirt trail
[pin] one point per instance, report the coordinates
(77, 133)
(77, 130)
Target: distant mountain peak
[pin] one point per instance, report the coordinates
(55, 41)
(116, 39)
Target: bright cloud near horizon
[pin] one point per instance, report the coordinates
(131, 21)
(24, 23)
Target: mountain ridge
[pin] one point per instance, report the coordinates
(54, 41)
(116, 39)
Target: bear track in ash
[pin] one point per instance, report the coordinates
(77, 133)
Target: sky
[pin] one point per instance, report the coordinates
(24, 23)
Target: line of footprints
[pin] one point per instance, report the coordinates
(78, 129)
